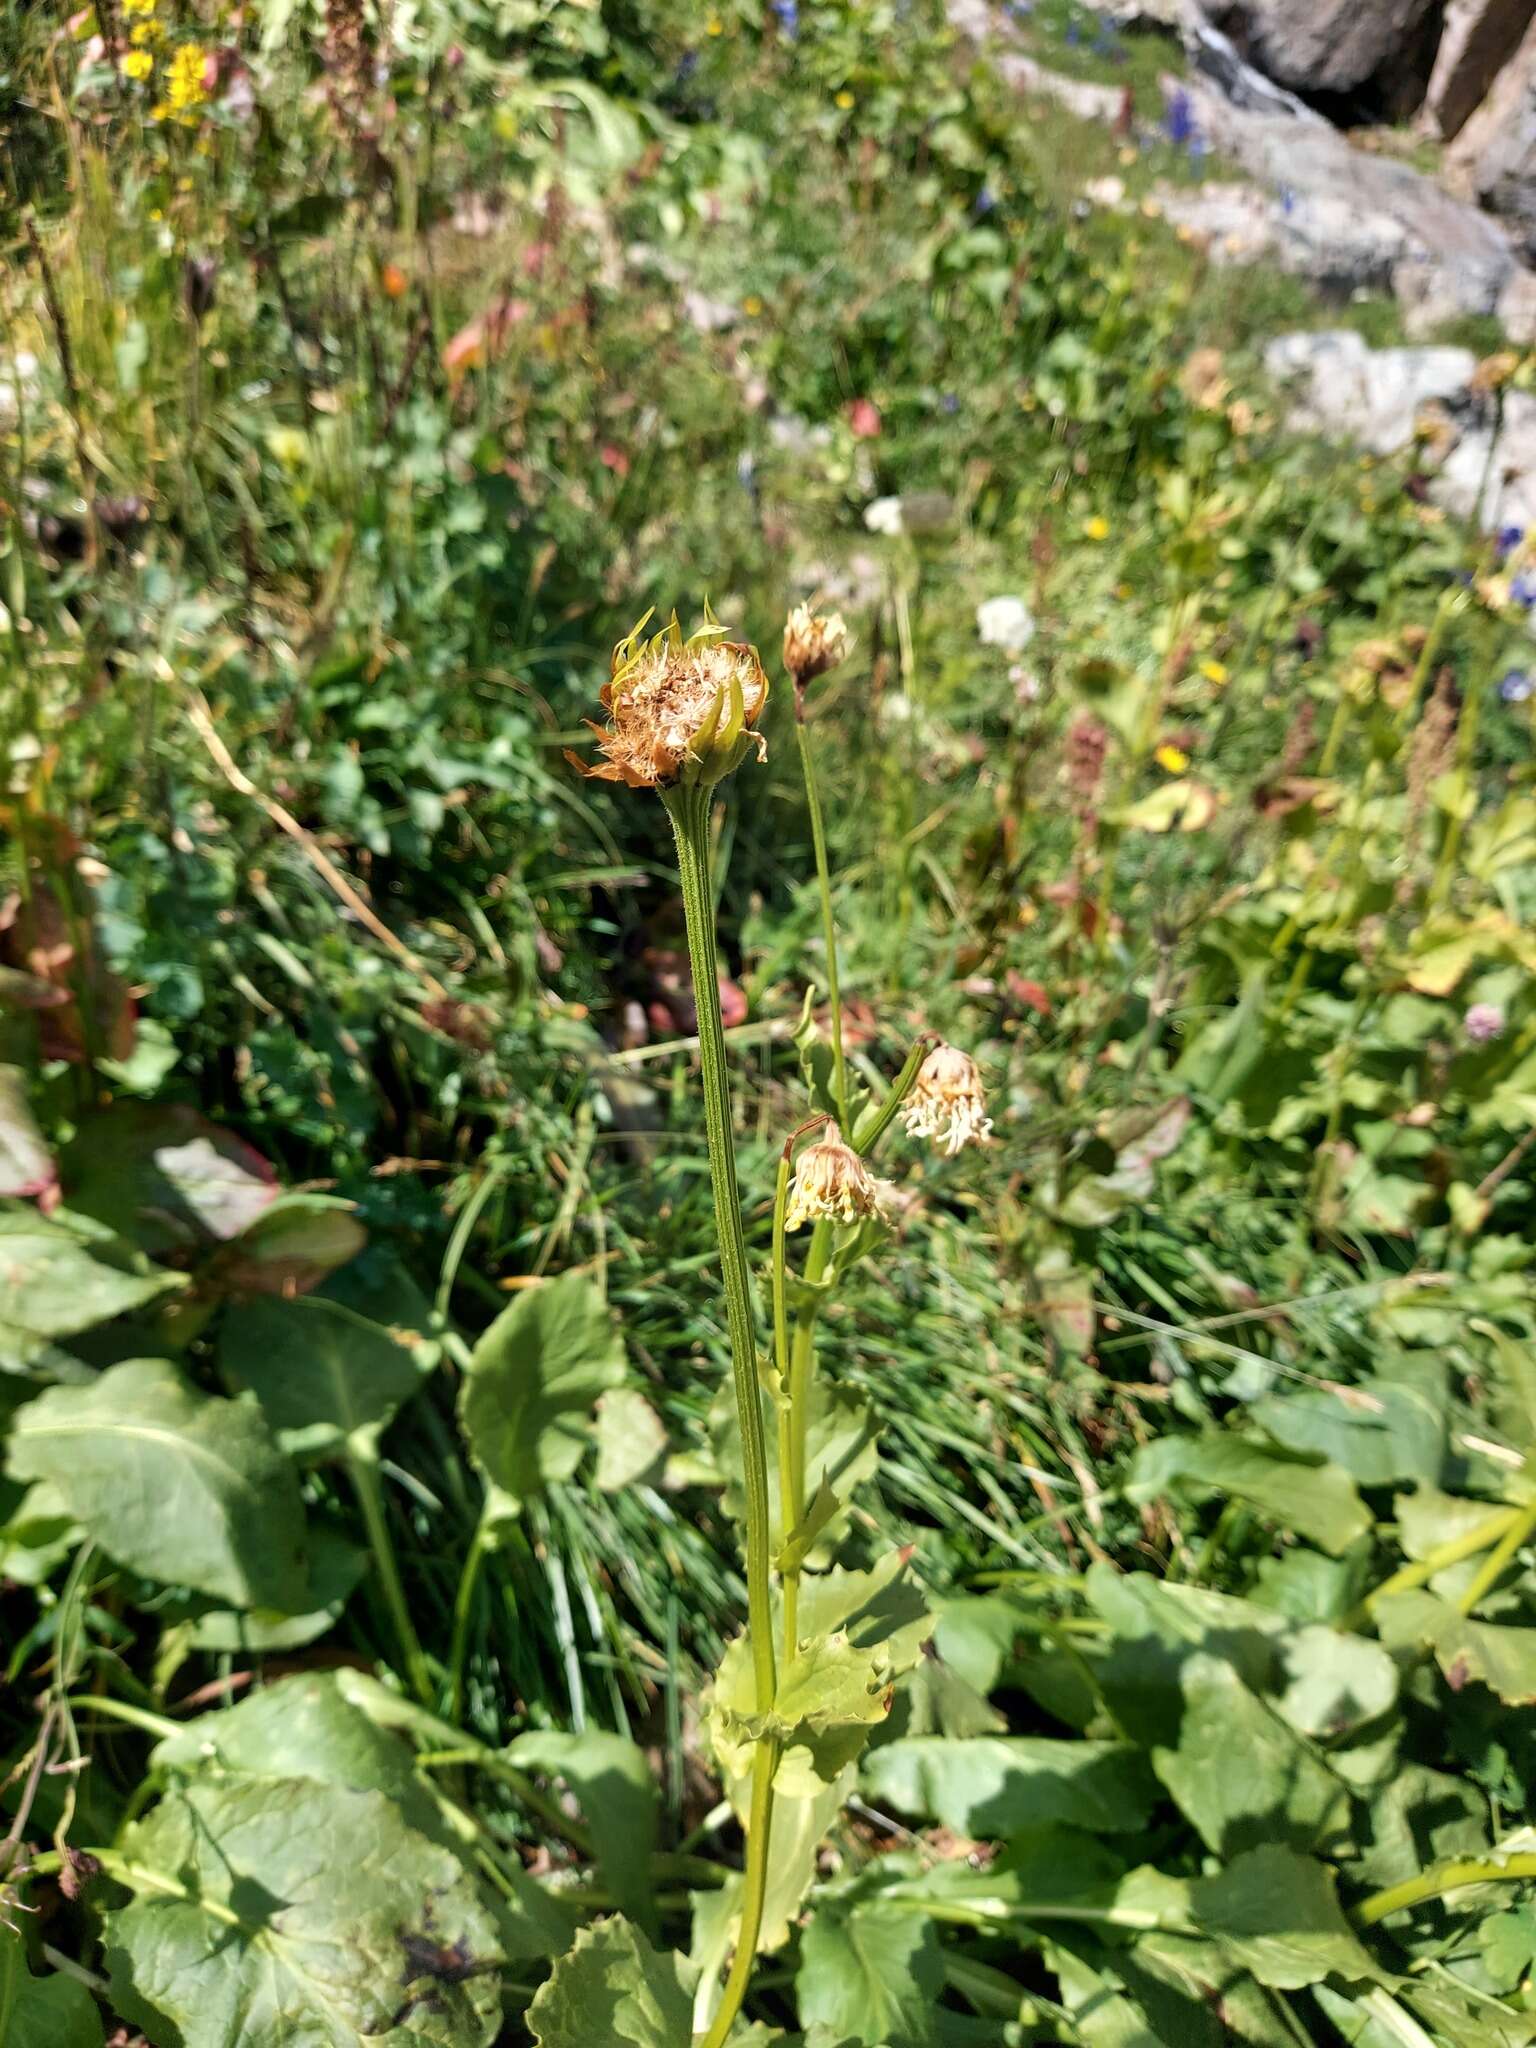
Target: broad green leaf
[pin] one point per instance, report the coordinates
(1503, 1659)
(631, 1439)
(934, 1700)
(1240, 1773)
(26, 1165)
(526, 1406)
(273, 1911)
(1508, 1943)
(182, 1486)
(1418, 1817)
(336, 1568)
(52, 2011)
(1334, 1682)
(1298, 1491)
(616, 1790)
(1105, 2013)
(163, 1176)
(614, 1989)
(323, 1375)
(1379, 1431)
(51, 1284)
(298, 1242)
(1277, 1914)
(305, 1727)
(977, 1633)
(859, 1631)
(36, 1538)
(992, 1785)
(871, 1973)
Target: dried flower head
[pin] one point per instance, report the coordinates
(947, 1103)
(679, 710)
(813, 643)
(832, 1181)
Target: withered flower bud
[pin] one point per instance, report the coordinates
(679, 710)
(947, 1104)
(832, 1181)
(813, 643)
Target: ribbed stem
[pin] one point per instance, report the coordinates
(828, 922)
(688, 809)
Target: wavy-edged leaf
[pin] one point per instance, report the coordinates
(185, 1487)
(269, 1911)
(613, 1988)
(324, 1376)
(990, 1786)
(526, 1407)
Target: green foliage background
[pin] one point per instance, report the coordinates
(366, 1534)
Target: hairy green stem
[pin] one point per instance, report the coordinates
(463, 1608)
(1441, 1878)
(1491, 1569)
(688, 808)
(364, 1469)
(828, 923)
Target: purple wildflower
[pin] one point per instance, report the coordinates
(983, 203)
(1518, 687)
(950, 402)
(1484, 1021)
(1179, 118)
(1523, 589)
(1508, 539)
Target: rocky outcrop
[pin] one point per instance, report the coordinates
(1477, 39)
(1346, 219)
(1494, 157)
(1321, 46)
(1480, 458)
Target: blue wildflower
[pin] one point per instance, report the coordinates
(984, 202)
(1074, 34)
(950, 402)
(1508, 539)
(1518, 686)
(1523, 589)
(1179, 118)
(787, 14)
(687, 64)
(1287, 199)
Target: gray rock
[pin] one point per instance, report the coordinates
(1478, 37)
(1336, 384)
(1320, 45)
(1495, 154)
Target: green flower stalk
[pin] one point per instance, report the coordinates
(813, 643)
(681, 718)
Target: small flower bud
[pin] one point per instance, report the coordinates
(679, 710)
(813, 643)
(832, 1181)
(947, 1104)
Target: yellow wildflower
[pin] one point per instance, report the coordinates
(133, 7)
(184, 87)
(714, 26)
(1173, 758)
(138, 64)
(844, 99)
(1214, 671)
(1096, 528)
(752, 305)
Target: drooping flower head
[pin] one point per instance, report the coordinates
(831, 1181)
(813, 643)
(679, 710)
(947, 1103)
